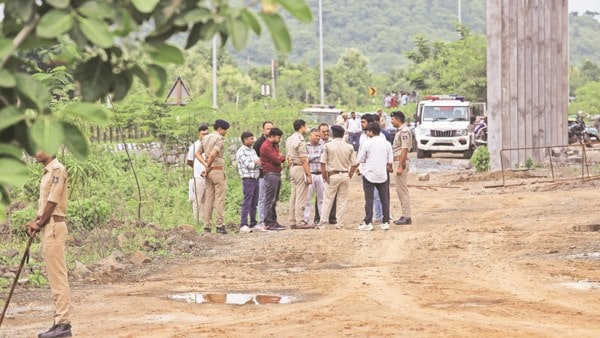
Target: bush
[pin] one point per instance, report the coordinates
(19, 218)
(481, 159)
(88, 213)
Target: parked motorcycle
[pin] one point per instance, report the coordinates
(578, 132)
(480, 133)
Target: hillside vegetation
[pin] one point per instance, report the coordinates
(384, 30)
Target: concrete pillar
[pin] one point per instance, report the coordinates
(528, 78)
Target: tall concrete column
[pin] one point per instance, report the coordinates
(528, 78)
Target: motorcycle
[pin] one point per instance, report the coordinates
(480, 133)
(578, 133)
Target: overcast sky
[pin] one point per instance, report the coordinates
(584, 5)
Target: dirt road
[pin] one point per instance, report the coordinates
(485, 262)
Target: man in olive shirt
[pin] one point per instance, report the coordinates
(301, 178)
(338, 163)
(213, 148)
(50, 223)
(402, 142)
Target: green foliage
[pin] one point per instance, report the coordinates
(36, 278)
(587, 99)
(19, 218)
(79, 38)
(88, 213)
(481, 159)
(450, 67)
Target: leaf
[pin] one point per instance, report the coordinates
(163, 52)
(5, 47)
(139, 72)
(194, 36)
(13, 172)
(197, 15)
(278, 31)
(32, 90)
(239, 33)
(145, 6)
(10, 150)
(95, 78)
(47, 134)
(54, 23)
(10, 116)
(75, 140)
(89, 112)
(157, 78)
(96, 31)
(62, 4)
(96, 10)
(121, 84)
(251, 20)
(7, 80)
(298, 9)
(208, 30)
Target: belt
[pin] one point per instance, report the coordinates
(335, 172)
(272, 173)
(58, 219)
(218, 167)
(295, 164)
(397, 158)
(315, 172)
(249, 178)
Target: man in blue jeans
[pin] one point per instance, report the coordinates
(248, 164)
(377, 158)
(267, 126)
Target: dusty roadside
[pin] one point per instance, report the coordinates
(512, 261)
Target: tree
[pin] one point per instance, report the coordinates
(105, 34)
(587, 99)
(351, 78)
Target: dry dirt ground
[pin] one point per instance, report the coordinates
(522, 260)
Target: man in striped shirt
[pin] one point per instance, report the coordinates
(248, 165)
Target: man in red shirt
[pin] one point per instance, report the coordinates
(271, 159)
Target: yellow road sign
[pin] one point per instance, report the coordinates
(372, 91)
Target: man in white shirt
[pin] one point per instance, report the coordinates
(196, 186)
(376, 157)
(354, 130)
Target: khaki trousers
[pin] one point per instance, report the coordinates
(214, 197)
(401, 183)
(198, 202)
(338, 185)
(298, 196)
(54, 237)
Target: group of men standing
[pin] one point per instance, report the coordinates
(323, 166)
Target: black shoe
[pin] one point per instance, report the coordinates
(221, 230)
(403, 220)
(56, 331)
(207, 230)
(274, 227)
(332, 221)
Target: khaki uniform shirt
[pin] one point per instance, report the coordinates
(213, 141)
(53, 188)
(402, 140)
(295, 147)
(338, 155)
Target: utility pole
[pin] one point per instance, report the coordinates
(321, 73)
(459, 12)
(214, 66)
(274, 76)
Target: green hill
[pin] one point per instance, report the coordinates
(383, 30)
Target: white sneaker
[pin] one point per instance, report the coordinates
(385, 226)
(259, 227)
(365, 227)
(245, 230)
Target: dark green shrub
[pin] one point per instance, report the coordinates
(481, 159)
(88, 213)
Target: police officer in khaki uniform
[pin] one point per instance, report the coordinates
(50, 223)
(338, 164)
(301, 178)
(402, 142)
(213, 149)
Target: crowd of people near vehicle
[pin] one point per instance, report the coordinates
(401, 98)
(320, 167)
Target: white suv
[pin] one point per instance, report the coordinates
(445, 126)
